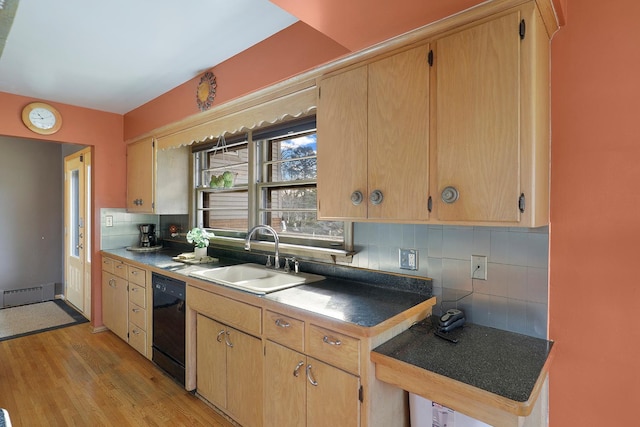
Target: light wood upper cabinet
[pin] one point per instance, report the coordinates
(491, 144)
(373, 140)
(157, 180)
(140, 171)
(342, 145)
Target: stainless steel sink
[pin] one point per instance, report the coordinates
(255, 278)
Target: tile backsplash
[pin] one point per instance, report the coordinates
(124, 231)
(515, 295)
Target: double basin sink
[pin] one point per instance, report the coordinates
(255, 278)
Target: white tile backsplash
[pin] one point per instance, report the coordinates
(125, 231)
(515, 294)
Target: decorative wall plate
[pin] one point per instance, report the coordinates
(206, 91)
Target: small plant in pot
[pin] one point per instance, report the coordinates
(200, 239)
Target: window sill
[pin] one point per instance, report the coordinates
(309, 252)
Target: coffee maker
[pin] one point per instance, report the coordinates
(147, 235)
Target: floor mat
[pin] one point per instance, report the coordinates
(34, 318)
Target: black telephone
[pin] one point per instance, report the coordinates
(451, 320)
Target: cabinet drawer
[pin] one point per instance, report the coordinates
(137, 315)
(136, 295)
(120, 269)
(138, 339)
(137, 276)
(336, 349)
(284, 330)
(234, 313)
(108, 264)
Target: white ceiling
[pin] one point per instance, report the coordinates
(116, 55)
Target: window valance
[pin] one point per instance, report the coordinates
(292, 105)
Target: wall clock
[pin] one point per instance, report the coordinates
(206, 91)
(41, 118)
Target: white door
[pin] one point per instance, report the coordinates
(77, 214)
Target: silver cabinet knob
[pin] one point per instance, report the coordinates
(376, 197)
(357, 197)
(449, 195)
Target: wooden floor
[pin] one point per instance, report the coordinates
(71, 377)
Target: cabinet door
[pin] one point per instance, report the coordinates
(140, 176)
(244, 378)
(342, 145)
(334, 401)
(211, 357)
(398, 149)
(477, 121)
(115, 304)
(285, 387)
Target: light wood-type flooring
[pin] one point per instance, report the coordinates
(71, 377)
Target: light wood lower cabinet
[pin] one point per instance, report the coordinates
(303, 391)
(125, 302)
(229, 370)
(114, 304)
(263, 363)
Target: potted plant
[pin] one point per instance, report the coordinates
(200, 239)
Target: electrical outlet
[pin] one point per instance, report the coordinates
(479, 267)
(408, 259)
(108, 221)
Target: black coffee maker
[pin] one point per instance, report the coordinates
(147, 235)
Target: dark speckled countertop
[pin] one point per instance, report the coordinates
(501, 362)
(361, 297)
(352, 302)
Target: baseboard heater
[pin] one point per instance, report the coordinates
(31, 295)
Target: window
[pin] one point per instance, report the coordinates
(274, 183)
(222, 177)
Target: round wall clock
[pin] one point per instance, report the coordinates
(41, 118)
(206, 91)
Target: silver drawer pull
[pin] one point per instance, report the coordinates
(296, 372)
(112, 283)
(282, 323)
(136, 332)
(310, 376)
(134, 272)
(135, 310)
(331, 341)
(219, 336)
(226, 339)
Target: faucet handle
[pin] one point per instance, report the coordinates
(268, 264)
(296, 265)
(287, 267)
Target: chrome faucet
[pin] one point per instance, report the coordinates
(276, 239)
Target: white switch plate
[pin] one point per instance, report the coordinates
(108, 221)
(408, 259)
(479, 267)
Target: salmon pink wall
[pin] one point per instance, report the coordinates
(83, 126)
(594, 300)
(291, 51)
(358, 24)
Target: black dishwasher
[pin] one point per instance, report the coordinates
(169, 325)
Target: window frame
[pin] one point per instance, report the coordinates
(259, 143)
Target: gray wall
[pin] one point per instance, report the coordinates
(31, 213)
